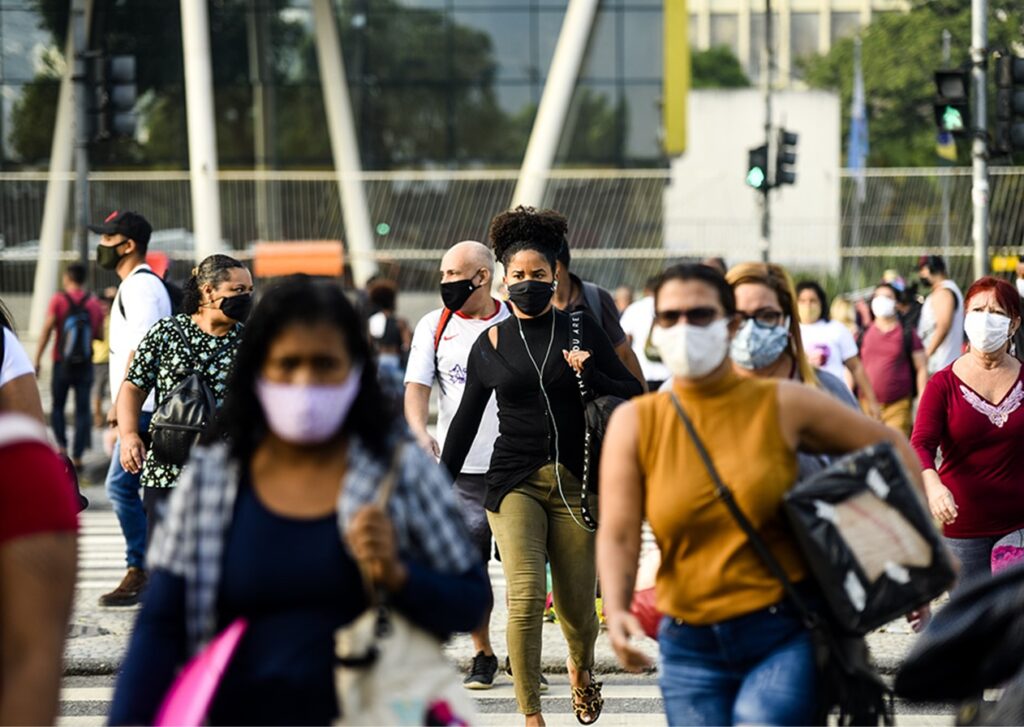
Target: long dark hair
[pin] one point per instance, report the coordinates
(214, 270)
(301, 300)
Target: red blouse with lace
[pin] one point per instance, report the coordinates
(982, 453)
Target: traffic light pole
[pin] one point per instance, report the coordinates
(766, 207)
(81, 60)
(979, 145)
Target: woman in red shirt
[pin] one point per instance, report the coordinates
(974, 411)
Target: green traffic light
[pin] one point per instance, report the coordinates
(756, 177)
(952, 120)
(383, 228)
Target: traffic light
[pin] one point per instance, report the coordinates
(1009, 136)
(952, 102)
(757, 167)
(115, 92)
(785, 158)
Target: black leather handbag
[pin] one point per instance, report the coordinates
(868, 539)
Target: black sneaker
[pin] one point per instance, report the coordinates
(544, 686)
(481, 675)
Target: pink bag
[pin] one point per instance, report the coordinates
(188, 700)
(1008, 551)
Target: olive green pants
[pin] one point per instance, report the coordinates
(533, 526)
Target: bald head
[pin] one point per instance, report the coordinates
(467, 257)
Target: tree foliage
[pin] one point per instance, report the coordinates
(900, 52)
(717, 68)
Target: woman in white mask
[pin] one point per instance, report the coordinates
(732, 649)
(973, 411)
(275, 524)
(894, 360)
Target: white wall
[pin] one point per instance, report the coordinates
(709, 209)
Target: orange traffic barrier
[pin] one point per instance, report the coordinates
(312, 257)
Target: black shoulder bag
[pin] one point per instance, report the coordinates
(597, 410)
(848, 682)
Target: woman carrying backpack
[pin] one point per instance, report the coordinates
(187, 358)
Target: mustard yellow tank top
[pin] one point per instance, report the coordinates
(709, 571)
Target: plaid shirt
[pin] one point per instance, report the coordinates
(190, 541)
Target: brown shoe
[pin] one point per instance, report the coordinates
(126, 594)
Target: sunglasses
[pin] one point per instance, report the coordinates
(700, 317)
(763, 317)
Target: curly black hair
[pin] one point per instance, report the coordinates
(526, 228)
(301, 300)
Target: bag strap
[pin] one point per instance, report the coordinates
(442, 323)
(576, 344)
(810, 619)
(150, 271)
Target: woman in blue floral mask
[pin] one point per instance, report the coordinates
(275, 523)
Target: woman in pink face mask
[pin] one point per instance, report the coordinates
(273, 522)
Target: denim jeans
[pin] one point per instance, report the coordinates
(754, 669)
(123, 491)
(975, 556)
(60, 385)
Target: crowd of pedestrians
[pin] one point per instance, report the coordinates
(276, 472)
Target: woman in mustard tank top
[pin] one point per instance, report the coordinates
(732, 649)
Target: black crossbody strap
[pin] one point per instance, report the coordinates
(809, 618)
(576, 344)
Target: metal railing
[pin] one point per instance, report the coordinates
(616, 218)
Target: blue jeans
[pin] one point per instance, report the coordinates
(123, 491)
(754, 669)
(61, 384)
(975, 556)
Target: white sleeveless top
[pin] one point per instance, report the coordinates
(951, 348)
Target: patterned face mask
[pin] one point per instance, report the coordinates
(756, 347)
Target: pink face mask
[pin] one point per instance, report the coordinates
(307, 414)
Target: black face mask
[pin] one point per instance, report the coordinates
(455, 294)
(531, 296)
(237, 307)
(107, 256)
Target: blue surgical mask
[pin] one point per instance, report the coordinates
(756, 347)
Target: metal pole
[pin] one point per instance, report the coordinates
(554, 102)
(946, 52)
(979, 148)
(344, 144)
(58, 187)
(858, 200)
(202, 133)
(766, 208)
(80, 78)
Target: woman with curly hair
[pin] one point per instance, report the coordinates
(534, 491)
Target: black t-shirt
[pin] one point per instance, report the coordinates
(524, 444)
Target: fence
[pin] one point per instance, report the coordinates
(616, 218)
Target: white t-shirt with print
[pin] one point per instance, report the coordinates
(145, 302)
(636, 321)
(452, 356)
(15, 363)
(834, 340)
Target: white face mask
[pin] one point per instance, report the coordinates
(987, 332)
(883, 307)
(1020, 287)
(692, 352)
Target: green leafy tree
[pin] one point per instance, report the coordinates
(900, 53)
(717, 68)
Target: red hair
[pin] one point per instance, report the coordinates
(1006, 294)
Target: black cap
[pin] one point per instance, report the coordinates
(130, 224)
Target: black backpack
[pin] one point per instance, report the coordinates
(74, 340)
(187, 411)
(174, 292)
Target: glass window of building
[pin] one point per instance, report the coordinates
(642, 122)
(601, 63)
(27, 46)
(803, 38)
(506, 33)
(844, 25)
(725, 30)
(642, 44)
